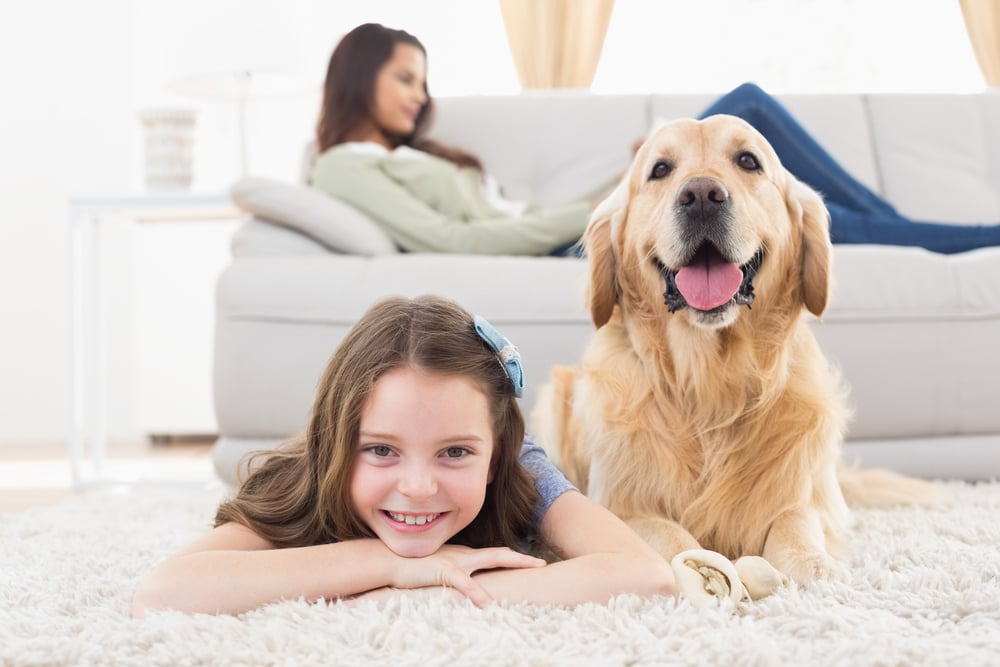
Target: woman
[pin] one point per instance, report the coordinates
(431, 198)
(427, 197)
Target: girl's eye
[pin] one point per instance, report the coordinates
(748, 161)
(380, 450)
(660, 170)
(455, 452)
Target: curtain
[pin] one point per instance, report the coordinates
(556, 43)
(982, 20)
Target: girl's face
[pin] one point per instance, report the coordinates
(399, 92)
(423, 459)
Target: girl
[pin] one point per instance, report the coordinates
(430, 198)
(411, 474)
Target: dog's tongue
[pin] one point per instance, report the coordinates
(709, 281)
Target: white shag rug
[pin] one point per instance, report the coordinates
(925, 590)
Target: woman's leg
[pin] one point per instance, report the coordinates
(798, 151)
(850, 226)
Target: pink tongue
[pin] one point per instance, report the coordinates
(708, 282)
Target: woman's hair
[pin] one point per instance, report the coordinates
(300, 495)
(349, 92)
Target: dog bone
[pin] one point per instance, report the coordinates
(703, 576)
(759, 577)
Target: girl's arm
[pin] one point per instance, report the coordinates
(232, 569)
(602, 558)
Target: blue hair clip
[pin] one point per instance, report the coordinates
(505, 351)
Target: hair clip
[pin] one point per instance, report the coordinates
(508, 355)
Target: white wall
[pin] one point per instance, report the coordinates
(66, 125)
(74, 76)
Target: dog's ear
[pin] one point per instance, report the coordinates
(599, 242)
(817, 251)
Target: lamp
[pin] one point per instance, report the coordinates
(239, 86)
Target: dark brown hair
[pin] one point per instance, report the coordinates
(349, 92)
(300, 495)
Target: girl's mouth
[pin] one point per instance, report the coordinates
(412, 519)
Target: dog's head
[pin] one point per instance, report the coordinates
(708, 217)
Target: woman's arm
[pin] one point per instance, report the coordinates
(232, 569)
(405, 214)
(603, 557)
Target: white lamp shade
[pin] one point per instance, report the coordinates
(227, 86)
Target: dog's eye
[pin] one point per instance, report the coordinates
(660, 170)
(748, 161)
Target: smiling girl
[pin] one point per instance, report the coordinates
(413, 472)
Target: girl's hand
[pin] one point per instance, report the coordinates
(452, 566)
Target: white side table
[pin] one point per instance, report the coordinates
(88, 377)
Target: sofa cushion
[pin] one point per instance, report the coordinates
(932, 170)
(299, 308)
(338, 290)
(546, 147)
(838, 122)
(913, 333)
(319, 216)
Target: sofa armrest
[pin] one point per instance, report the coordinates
(321, 217)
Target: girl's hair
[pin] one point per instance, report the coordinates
(300, 495)
(349, 92)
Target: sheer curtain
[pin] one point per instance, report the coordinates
(982, 20)
(556, 43)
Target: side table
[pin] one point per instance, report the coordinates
(88, 377)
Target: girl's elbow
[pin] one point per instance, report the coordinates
(654, 578)
(663, 583)
(144, 600)
(150, 596)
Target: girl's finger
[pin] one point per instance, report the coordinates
(465, 585)
(502, 557)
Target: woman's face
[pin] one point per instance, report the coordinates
(399, 92)
(423, 459)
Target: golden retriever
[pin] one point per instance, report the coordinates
(703, 412)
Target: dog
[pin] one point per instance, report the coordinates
(703, 412)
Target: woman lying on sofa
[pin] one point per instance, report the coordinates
(433, 198)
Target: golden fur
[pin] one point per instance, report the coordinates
(718, 428)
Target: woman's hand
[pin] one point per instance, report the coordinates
(452, 566)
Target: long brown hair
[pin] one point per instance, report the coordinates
(300, 495)
(349, 92)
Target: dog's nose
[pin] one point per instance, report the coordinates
(702, 194)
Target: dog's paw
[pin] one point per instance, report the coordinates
(759, 577)
(808, 568)
(703, 576)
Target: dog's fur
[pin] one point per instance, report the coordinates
(716, 428)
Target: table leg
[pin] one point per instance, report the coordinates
(76, 346)
(99, 350)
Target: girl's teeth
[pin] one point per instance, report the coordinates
(413, 520)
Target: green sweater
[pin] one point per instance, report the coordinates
(428, 204)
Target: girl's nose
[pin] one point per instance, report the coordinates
(417, 482)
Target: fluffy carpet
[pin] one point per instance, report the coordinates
(925, 589)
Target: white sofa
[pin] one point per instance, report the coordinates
(917, 334)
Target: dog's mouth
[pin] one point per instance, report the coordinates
(709, 282)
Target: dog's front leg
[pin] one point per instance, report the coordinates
(667, 537)
(796, 546)
(701, 576)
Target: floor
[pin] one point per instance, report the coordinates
(42, 475)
